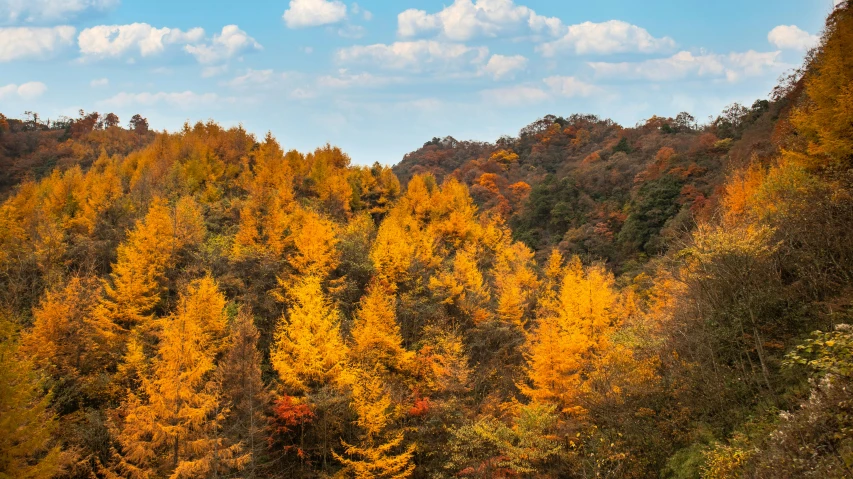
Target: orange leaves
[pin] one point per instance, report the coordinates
(420, 407)
(60, 339)
(664, 155)
(489, 182)
(290, 412)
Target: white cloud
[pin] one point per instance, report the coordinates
(685, 64)
(311, 13)
(26, 91)
(230, 42)
(613, 36)
(24, 42)
(358, 9)
(791, 37)
(351, 31)
(49, 11)
(345, 79)
(213, 71)
(252, 77)
(519, 95)
(110, 41)
(464, 20)
(263, 79)
(184, 100)
(501, 66)
(570, 87)
(415, 56)
(99, 82)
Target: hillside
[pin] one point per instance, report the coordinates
(586, 300)
(590, 187)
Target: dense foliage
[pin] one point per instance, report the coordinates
(585, 300)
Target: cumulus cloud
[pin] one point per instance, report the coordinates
(49, 11)
(613, 36)
(111, 41)
(555, 87)
(26, 91)
(415, 56)
(500, 66)
(230, 42)
(464, 20)
(345, 79)
(570, 87)
(791, 37)
(257, 78)
(312, 13)
(184, 100)
(685, 64)
(25, 42)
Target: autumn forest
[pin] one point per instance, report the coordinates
(582, 300)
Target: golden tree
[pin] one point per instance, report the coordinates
(375, 456)
(308, 351)
(136, 278)
(314, 239)
(27, 426)
(376, 340)
(60, 339)
(174, 429)
(571, 335)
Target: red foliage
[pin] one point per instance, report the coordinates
(288, 413)
(421, 407)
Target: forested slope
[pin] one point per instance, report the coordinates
(591, 187)
(585, 300)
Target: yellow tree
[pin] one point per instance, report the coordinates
(308, 351)
(314, 239)
(569, 337)
(826, 117)
(376, 456)
(265, 214)
(463, 286)
(27, 426)
(137, 274)
(58, 343)
(376, 340)
(515, 281)
(309, 356)
(174, 428)
(394, 248)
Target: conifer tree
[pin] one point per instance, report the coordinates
(378, 454)
(377, 343)
(240, 377)
(27, 426)
(174, 428)
(308, 351)
(60, 338)
(136, 281)
(569, 337)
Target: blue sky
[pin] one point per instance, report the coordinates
(379, 77)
